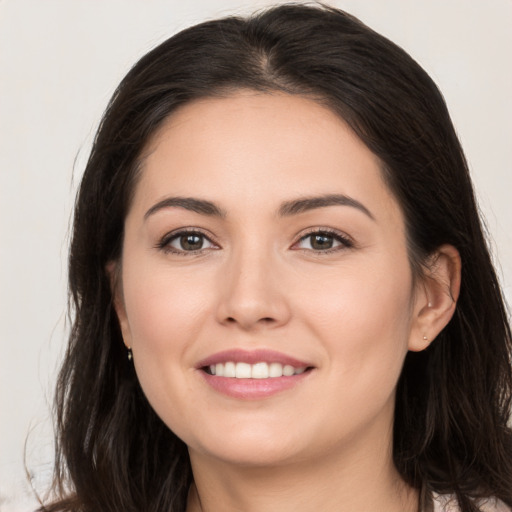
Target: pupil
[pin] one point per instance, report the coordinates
(322, 242)
(191, 242)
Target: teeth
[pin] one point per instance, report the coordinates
(259, 371)
(288, 370)
(275, 370)
(254, 371)
(243, 370)
(229, 370)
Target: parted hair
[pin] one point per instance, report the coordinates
(453, 400)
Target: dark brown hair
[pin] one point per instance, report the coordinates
(453, 399)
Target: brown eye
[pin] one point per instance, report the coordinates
(324, 241)
(186, 241)
(190, 242)
(321, 241)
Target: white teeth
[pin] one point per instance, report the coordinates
(229, 370)
(254, 371)
(288, 370)
(243, 370)
(275, 370)
(259, 371)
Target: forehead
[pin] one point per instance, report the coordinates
(253, 146)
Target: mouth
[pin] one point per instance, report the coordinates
(259, 370)
(253, 375)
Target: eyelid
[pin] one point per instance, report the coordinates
(164, 242)
(345, 240)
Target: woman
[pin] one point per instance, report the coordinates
(283, 297)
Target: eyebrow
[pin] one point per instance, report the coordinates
(288, 208)
(192, 204)
(311, 203)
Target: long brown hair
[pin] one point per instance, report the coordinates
(453, 399)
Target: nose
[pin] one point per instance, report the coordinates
(252, 292)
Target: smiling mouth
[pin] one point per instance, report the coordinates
(261, 370)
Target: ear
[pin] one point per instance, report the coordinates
(113, 270)
(436, 297)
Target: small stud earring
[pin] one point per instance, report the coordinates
(130, 355)
(430, 304)
(425, 338)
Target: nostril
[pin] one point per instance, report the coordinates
(265, 320)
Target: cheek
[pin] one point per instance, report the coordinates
(358, 297)
(164, 308)
(165, 312)
(363, 319)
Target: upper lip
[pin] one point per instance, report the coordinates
(252, 357)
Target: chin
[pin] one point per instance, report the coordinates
(250, 448)
(252, 455)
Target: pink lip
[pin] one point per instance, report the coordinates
(252, 389)
(251, 357)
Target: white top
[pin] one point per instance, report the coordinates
(447, 503)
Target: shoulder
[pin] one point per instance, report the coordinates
(447, 503)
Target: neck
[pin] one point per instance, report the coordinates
(356, 480)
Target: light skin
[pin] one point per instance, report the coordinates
(257, 261)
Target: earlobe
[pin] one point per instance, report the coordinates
(436, 297)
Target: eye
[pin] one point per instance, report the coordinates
(186, 241)
(323, 241)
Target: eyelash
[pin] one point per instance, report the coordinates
(344, 240)
(165, 241)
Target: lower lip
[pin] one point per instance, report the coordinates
(252, 389)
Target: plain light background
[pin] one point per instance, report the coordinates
(60, 61)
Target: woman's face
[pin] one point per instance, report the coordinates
(265, 286)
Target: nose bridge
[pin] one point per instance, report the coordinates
(251, 292)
